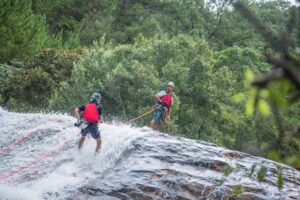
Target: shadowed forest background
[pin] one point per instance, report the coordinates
(235, 65)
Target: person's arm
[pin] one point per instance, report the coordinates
(157, 98)
(168, 114)
(78, 110)
(100, 114)
(101, 119)
(77, 113)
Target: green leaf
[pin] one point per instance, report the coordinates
(264, 107)
(227, 170)
(249, 76)
(262, 173)
(238, 98)
(252, 170)
(238, 189)
(264, 93)
(293, 161)
(274, 155)
(250, 107)
(280, 180)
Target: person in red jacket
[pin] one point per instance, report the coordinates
(91, 116)
(163, 109)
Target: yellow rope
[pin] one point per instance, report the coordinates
(143, 115)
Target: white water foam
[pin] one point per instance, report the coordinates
(66, 169)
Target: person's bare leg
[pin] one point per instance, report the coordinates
(81, 141)
(152, 124)
(158, 123)
(98, 147)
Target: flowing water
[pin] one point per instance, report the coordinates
(39, 159)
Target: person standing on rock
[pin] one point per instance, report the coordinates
(88, 122)
(163, 107)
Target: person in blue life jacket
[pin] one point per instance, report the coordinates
(91, 117)
(163, 106)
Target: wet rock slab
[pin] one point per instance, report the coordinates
(161, 167)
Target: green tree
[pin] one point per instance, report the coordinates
(22, 32)
(118, 73)
(280, 87)
(32, 83)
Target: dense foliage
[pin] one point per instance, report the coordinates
(54, 54)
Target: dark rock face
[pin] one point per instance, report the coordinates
(161, 167)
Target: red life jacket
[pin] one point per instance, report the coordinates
(90, 113)
(167, 99)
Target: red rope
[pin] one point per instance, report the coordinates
(30, 172)
(41, 157)
(15, 143)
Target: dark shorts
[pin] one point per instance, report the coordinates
(159, 114)
(91, 129)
